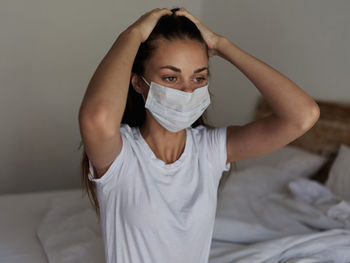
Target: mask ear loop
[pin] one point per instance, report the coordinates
(147, 84)
(145, 81)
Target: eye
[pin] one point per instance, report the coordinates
(200, 79)
(169, 79)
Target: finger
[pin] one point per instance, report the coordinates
(184, 12)
(183, 9)
(159, 12)
(163, 11)
(166, 11)
(154, 10)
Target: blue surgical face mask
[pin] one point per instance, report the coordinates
(175, 109)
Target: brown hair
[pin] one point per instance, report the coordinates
(170, 27)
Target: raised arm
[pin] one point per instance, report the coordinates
(104, 102)
(294, 112)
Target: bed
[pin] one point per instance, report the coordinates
(292, 205)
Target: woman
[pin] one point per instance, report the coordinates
(154, 167)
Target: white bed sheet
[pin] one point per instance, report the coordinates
(330, 246)
(24, 214)
(20, 215)
(267, 215)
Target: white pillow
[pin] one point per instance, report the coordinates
(339, 175)
(288, 158)
(236, 220)
(309, 191)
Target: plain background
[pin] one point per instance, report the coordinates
(49, 51)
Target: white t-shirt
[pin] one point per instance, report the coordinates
(152, 212)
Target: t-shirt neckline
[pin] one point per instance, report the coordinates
(160, 162)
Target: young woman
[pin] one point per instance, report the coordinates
(151, 165)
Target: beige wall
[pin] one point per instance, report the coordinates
(306, 40)
(50, 49)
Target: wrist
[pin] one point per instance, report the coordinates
(220, 45)
(134, 32)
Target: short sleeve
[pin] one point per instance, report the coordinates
(217, 153)
(110, 176)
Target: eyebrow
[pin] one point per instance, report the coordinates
(179, 70)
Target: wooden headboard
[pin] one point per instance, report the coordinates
(325, 137)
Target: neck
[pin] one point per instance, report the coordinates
(167, 146)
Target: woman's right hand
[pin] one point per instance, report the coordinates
(145, 24)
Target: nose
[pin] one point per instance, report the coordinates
(186, 88)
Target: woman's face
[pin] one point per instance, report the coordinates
(177, 64)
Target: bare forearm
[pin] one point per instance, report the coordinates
(286, 99)
(108, 88)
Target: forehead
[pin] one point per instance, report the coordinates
(184, 54)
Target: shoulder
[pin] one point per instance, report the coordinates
(203, 134)
(207, 136)
(129, 134)
(128, 131)
(198, 131)
(212, 144)
(204, 131)
(125, 128)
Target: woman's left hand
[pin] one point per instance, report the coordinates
(209, 36)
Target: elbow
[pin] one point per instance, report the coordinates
(96, 121)
(310, 117)
(89, 118)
